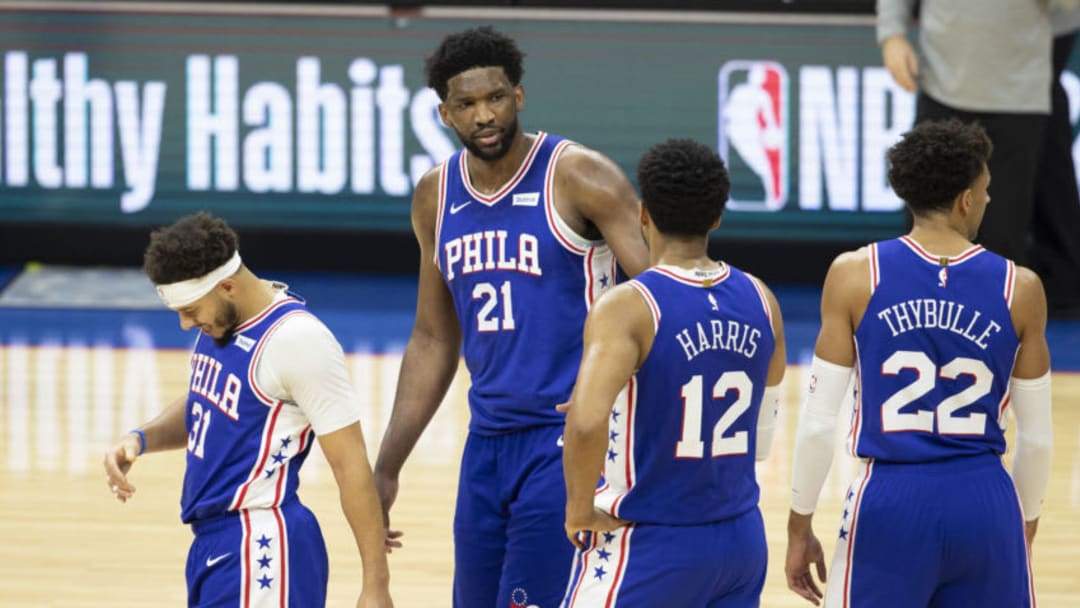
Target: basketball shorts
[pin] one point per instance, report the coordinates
(258, 558)
(510, 548)
(941, 534)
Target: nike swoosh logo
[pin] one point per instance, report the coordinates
(458, 207)
(559, 441)
(210, 561)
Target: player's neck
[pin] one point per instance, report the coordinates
(258, 295)
(940, 237)
(688, 254)
(487, 176)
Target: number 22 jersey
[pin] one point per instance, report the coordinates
(935, 351)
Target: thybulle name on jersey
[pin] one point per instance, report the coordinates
(731, 336)
(486, 250)
(205, 376)
(927, 313)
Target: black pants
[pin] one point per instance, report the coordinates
(1055, 227)
(1018, 141)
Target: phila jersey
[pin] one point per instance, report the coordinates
(682, 434)
(244, 448)
(522, 282)
(935, 350)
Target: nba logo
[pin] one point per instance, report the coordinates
(753, 126)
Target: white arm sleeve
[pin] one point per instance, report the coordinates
(1034, 441)
(302, 363)
(766, 422)
(816, 435)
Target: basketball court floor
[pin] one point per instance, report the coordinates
(86, 355)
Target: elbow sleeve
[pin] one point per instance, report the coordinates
(1034, 441)
(816, 435)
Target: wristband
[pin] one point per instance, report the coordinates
(142, 440)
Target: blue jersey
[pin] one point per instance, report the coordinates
(935, 350)
(521, 282)
(244, 448)
(683, 433)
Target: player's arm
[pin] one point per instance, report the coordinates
(1030, 395)
(618, 334)
(165, 432)
(846, 289)
(302, 362)
(770, 402)
(603, 196)
(897, 54)
(431, 355)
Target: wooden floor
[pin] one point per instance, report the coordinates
(66, 542)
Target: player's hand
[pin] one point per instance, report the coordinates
(900, 59)
(1030, 528)
(370, 598)
(803, 550)
(387, 488)
(118, 461)
(594, 521)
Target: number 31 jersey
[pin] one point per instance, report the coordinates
(522, 282)
(245, 448)
(935, 350)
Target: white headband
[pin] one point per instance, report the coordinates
(182, 293)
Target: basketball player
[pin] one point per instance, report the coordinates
(942, 337)
(267, 379)
(691, 353)
(517, 234)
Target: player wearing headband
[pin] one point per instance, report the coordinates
(267, 380)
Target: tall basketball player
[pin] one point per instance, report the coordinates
(518, 234)
(942, 338)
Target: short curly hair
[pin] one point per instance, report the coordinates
(479, 47)
(684, 186)
(936, 161)
(190, 248)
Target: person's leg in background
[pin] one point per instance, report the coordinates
(1055, 247)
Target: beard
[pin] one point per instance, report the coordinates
(229, 318)
(501, 148)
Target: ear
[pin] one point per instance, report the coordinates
(646, 219)
(443, 115)
(965, 200)
(228, 287)
(519, 97)
(716, 224)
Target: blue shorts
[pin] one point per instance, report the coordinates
(257, 558)
(510, 549)
(717, 565)
(941, 534)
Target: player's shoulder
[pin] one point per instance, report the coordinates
(1028, 292)
(853, 258)
(428, 184)
(849, 272)
(297, 332)
(577, 160)
(621, 299)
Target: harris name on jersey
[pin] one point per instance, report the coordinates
(733, 336)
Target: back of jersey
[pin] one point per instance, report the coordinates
(935, 350)
(682, 434)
